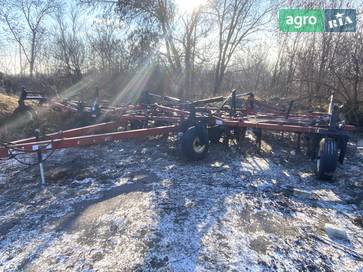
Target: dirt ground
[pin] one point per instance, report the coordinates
(137, 206)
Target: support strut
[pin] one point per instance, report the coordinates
(40, 160)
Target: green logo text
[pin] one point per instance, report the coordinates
(301, 20)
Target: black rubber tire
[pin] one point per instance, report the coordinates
(194, 143)
(215, 134)
(326, 162)
(184, 126)
(343, 144)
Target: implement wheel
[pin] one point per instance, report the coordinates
(326, 162)
(215, 134)
(194, 143)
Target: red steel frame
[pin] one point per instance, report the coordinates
(28, 146)
(88, 135)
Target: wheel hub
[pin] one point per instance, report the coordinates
(197, 146)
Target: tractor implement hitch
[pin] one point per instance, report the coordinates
(73, 132)
(59, 143)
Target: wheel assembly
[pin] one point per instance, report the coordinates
(215, 133)
(326, 161)
(194, 143)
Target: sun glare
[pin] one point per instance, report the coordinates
(188, 6)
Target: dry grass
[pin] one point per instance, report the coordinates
(16, 127)
(8, 104)
(12, 127)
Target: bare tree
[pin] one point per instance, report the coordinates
(24, 21)
(107, 47)
(156, 16)
(193, 28)
(70, 50)
(236, 20)
(346, 71)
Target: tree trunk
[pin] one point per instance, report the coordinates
(32, 55)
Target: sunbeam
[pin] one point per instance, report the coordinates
(132, 91)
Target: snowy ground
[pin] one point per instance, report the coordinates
(137, 206)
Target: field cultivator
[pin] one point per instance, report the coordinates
(198, 124)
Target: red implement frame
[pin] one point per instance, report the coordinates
(86, 135)
(27, 145)
(105, 132)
